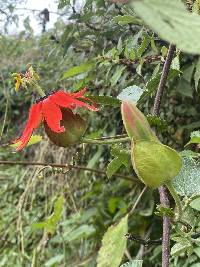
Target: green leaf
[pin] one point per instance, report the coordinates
(185, 88)
(172, 22)
(194, 138)
(122, 154)
(122, 157)
(131, 93)
(143, 46)
(195, 204)
(117, 75)
(183, 246)
(126, 19)
(113, 166)
(164, 211)
(187, 182)
(33, 140)
(106, 100)
(85, 67)
(155, 163)
(63, 3)
(57, 259)
(157, 122)
(113, 245)
(134, 263)
(50, 223)
(82, 231)
(197, 74)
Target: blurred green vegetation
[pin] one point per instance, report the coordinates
(112, 54)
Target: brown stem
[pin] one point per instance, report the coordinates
(164, 200)
(69, 166)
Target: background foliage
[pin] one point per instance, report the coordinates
(107, 47)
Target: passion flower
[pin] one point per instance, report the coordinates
(48, 109)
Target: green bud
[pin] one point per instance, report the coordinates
(74, 125)
(135, 123)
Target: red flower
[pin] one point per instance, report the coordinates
(48, 109)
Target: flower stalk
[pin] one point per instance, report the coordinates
(105, 142)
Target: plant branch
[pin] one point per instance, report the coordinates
(164, 200)
(145, 242)
(163, 80)
(69, 166)
(105, 142)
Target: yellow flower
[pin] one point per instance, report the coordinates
(18, 82)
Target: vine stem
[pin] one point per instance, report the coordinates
(68, 166)
(164, 200)
(105, 142)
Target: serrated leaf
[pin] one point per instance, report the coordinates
(194, 138)
(187, 182)
(33, 140)
(155, 163)
(85, 67)
(131, 93)
(181, 247)
(172, 22)
(113, 245)
(134, 263)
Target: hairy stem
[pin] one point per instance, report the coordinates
(164, 200)
(105, 142)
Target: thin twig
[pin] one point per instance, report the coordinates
(145, 242)
(69, 166)
(138, 200)
(164, 200)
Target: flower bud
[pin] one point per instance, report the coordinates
(135, 123)
(74, 125)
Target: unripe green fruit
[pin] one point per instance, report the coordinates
(154, 163)
(74, 125)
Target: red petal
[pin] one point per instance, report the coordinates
(79, 103)
(23, 141)
(34, 119)
(69, 101)
(52, 115)
(61, 99)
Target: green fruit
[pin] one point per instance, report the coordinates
(74, 125)
(155, 163)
